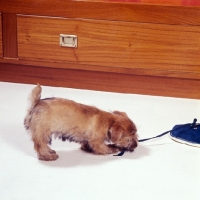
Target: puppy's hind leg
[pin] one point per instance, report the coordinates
(43, 150)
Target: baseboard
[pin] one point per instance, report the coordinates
(102, 81)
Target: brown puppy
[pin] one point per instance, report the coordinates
(87, 125)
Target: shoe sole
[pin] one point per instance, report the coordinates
(184, 141)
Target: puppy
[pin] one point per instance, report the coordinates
(97, 131)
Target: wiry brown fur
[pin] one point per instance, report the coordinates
(87, 125)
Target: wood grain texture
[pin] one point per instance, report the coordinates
(99, 68)
(122, 47)
(1, 53)
(103, 10)
(148, 49)
(9, 35)
(102, 81)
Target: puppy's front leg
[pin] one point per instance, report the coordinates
(101, 148)
(86, 147)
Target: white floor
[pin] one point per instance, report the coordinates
(157, 170)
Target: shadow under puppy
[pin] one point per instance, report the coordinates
(97, 131)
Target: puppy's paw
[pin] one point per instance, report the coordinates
(86, 147)
(106, 150)
(48, 157)
(113, 149)
(52, 151)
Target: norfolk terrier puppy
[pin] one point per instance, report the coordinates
(97, 131)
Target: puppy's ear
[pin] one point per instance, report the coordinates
(120, 113)
(116, 132)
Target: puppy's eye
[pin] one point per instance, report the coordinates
(133, 131)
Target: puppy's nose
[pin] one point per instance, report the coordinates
(135, 144)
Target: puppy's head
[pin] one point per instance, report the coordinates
(123, 132)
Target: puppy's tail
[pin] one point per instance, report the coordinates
(34, 98)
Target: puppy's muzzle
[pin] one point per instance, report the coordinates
(131, 147)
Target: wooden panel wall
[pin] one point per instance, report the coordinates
(152, 49)
(177, 74)
(9, 34)
(1, 53)
(105, 10)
